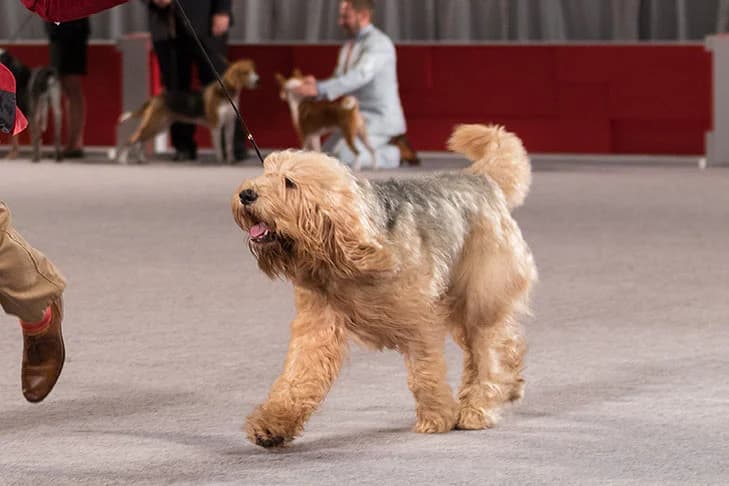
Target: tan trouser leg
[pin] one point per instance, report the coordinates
(28, 280)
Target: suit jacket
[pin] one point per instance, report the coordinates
(65, 10)
(371, 77)
(200, 13)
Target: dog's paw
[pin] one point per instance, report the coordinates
(517, 391)
(434, 424)
(268, 432)
(472, 418)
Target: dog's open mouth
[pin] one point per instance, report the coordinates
(260, 233)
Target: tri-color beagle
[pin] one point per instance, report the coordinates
(209, 108)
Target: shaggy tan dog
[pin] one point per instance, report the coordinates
(396, 264)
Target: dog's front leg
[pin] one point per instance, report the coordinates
(312, 142)
(217, 142)
(436, 409)
(316, 351)
(229, 133)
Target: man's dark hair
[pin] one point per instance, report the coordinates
(360, 5)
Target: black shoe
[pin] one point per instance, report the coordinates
(408, 155)
(240, 155)
(72, 154)
(184, 155)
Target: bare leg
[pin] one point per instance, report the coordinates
(75, 110)
(13, 154)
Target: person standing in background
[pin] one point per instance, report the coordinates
(366, 69)
(69, 43)
(65, 10)
(177, 50)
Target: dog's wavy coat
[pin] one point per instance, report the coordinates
(396, 264)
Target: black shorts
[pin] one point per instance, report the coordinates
(68, 45)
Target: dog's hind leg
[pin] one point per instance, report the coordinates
(349, 136)
(492, 363)
(362, 135)
(316, 350)
(149, 127)
(486, 298)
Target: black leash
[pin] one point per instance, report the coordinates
(191, 29)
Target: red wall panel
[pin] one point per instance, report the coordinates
(558, 98)
(102, 87)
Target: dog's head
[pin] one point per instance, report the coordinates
(241, 74)
(287, 84)
(306, 220)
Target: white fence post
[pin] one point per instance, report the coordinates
(717, 141)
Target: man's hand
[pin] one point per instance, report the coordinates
(220, 25)
(307, 87)
(162, 3)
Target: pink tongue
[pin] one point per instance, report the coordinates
(258, 230)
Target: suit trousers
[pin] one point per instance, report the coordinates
(176, 57)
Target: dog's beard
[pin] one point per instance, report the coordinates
(273, 250)
(275, 256)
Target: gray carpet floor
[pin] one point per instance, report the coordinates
(173, 336)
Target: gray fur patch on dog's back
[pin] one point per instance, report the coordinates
(438, 211)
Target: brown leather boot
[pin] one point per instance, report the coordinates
(43, 355)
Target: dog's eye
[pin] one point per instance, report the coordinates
(289, 183)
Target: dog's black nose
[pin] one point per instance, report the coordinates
(248, 196)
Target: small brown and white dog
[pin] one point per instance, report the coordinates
(314, 118)
(396, 264)
(209, 108)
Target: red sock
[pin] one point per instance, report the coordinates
(40, 326)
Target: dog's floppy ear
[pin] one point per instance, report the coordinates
(338, 241)
(280, 79)
(297, 73)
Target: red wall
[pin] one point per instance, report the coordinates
(652, 99)
(102, 87)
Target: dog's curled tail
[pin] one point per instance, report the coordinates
(498, 154)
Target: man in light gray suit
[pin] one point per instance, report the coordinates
(367, 70)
